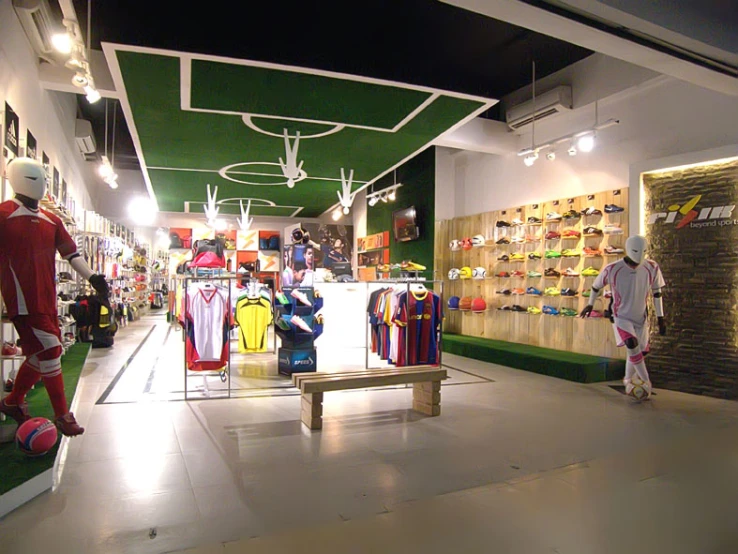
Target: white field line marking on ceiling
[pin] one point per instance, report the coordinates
(246, 173)
(110, 55)
(268, 205)
(247, 119)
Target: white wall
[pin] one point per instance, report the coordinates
(51, 116)
(660, 118)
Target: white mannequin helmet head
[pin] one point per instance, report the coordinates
(27, 177)
(635, 248)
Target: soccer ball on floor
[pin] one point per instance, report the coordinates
(36, 436)
(637, 389)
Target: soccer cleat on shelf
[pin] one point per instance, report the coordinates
(534, 256)
(517, 221)
(553, 235)
(534, 220)
(590, 272)
(552, 254)
(591, 211)
(383, 268)
(517, 257)
(518, 308)
(532, 238)
(506, 292)
(568, 312)
(517, 273)
(282, 298)
(9, 349)
(297, 321)
(533, 291)
(551, 291)
(302, 297)
(612, 229)
(550, 310)
(568, 292)
(502, 274)
(19, 413)
(553, 216)
(504, 258)
(592, 231)
(501, 223)
(613, 209)
(503, 240)
(533, 310)
(518, 240)
(551, 272)
(571, 214)
(571, 234)
(534, 274)
(595, 313)
(587, 293)
(571, 253)
(408, 265)
(612, 250)
(518, 291)
(68, 426)
(570, 272)
(505, 308)
(592, 251)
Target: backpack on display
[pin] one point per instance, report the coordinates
(208, 253)
(174, 241)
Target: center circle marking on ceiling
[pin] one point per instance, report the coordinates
(247, 119)
(224, 173)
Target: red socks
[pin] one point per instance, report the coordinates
(24, 381)
(55, 388)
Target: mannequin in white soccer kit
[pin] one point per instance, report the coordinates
(631, 279)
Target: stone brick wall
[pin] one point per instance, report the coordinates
(699, 354)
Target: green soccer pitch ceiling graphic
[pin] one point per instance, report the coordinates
(198, 120)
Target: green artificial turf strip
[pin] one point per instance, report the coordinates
(16, 467)
(582, 368)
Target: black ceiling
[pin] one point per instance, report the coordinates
(422, 42)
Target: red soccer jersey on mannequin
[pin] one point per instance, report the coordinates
(27, 251)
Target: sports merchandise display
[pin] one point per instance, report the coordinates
(568, 312)
(518, 308)
(570, 253)
(465, 303)
(517, 222)
(568, 292)
(570, 272)
(590, 211)
(502, 240)
(518, 240)
(592, 251)
(504, 258)
(534, 310)
(590, 272)
(553, 235)
(517, 273)
(36, 436)
(552, 254)
(453, 303)
(465, 273)
(478, 241)
(551, 291)
(479, 273)
(550, 310)
(253, 315)
(613, 250)
(612, 229)
(551, 272)
(517, 257)
(453, 274)
(534, 256)
(466, 244)
(506, 292)
(592, 231)
(505, 308)
(534, 220)
(637, 389)
(207, 326)
(455, 245)
(502, 223)
(409, 265)
(534, 274)
(533, 291)
(572, 214)
(502, 274)
(571, 234)
(478, 305)
(518, 291)
(613, 209)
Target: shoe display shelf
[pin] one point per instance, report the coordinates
(298, 325)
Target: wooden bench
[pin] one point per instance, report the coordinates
(426, 388)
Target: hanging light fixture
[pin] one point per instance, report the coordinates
(106, 170)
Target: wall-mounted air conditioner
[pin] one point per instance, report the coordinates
(547, 104)
(84, 136)
(39, 23)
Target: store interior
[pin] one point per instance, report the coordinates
(270, 219)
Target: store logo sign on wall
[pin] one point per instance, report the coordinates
(12, 124)
(696, 218)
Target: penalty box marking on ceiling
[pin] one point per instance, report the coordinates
(255, 203)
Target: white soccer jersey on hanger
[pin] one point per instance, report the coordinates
(207, 308)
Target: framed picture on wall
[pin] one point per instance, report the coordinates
(55, 185)
(12, 128)
(31, 145)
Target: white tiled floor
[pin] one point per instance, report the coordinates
(207, 472)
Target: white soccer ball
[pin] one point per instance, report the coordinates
(637, 389)
(455, 245)
(453, 274)
(479, 273)
(478, 241)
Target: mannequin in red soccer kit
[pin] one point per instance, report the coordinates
(29, 240)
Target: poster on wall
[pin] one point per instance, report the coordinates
(64, 193)
(55, 185)
(47, 169)
(318, 245)
(12, 126)
(31, 145)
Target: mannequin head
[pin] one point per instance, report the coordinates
(27, 177)
(635, 248)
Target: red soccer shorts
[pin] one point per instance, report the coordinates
(40, 339)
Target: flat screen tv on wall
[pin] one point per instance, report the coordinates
(405, 225)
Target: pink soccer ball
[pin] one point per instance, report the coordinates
(36, 436)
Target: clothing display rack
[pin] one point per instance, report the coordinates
(430, 334)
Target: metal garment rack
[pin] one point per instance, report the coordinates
(437, 287)
(224, 374)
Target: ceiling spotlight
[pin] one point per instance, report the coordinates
(392, 195)
(383, 198)
(80, 80)
(142, 211)
(551, 156)
(336, 214)
(62, 42)
(92, 94)
(572, 150)
(105, 169)
(373, 200)
(530, 159)
(113, 184)
(586, 143)
(345, 210)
